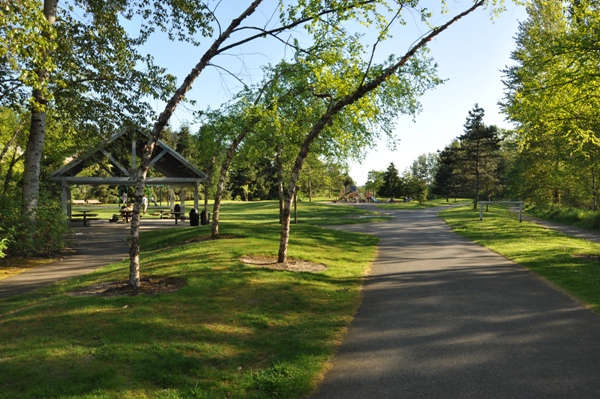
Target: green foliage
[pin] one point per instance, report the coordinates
(25, 36)
(573, 216)
(425, 167)
(3, 246)
(447, 176)
(552, 96)
(392, 185)
(50, 236)
(374, 181)
(472, 165)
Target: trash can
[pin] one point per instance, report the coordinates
(204, 218)
(194, 217)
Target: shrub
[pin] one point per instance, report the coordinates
(50, 235)
(3, 245)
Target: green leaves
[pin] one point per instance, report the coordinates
(26, 37)
(553, 95)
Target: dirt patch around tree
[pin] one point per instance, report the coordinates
(148, 286)
(292, 265)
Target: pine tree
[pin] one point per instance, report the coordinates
(479, 155)
(391, 186)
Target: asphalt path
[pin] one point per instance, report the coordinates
(100, 244)
(443, 317)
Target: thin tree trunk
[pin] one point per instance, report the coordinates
(594, 191)
(12, 140)
(279, 166)
(10, 172)
(296, 207)
(163, 119)
(222, 177)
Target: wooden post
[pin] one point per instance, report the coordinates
(196, 197)
(521, 212)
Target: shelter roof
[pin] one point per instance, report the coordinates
(118, 157)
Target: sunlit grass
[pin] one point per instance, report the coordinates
(399, 204)
(562, 260)
(13, 266)
(233, 331)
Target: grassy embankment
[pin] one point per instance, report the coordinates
(569, 263)
(585, 219)
(233, 331)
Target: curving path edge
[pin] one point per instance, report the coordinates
(443, 317)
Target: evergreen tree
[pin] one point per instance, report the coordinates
(479, 155)
(392, 185)
(447, 176)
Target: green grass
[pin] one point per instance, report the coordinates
(552, 255)
(427, 204)
(233, 331)
(586, 219)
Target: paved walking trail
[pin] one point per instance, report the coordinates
(445, 318)
(100, 244)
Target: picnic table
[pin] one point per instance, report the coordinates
(85, 215)
(178, 215)
(127, 214)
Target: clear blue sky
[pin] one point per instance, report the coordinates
(470, 55)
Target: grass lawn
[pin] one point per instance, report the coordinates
(569, 263)
(427, 204)
(233, 331)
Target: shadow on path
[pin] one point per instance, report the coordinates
(100, 244)
(445, 318)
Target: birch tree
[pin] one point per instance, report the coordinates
(397, 83)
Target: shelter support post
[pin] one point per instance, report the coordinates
(196, 197)
(66, 198)
(183, 200)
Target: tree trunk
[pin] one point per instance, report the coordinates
(296, 207)
(284, 237)
(163, 119)
(134, 249)
(594, 192)
(279, 166)
(222, 177)
(37, 135)
(33, 157)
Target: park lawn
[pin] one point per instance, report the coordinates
(399, 204)
(567, 262)
(233, 331)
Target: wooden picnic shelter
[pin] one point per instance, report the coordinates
(118, 157)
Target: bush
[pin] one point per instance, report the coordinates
(50, 236)
(573, 216)
(3, 245)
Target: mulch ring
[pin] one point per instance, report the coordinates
(292, 265)
(148, 286)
